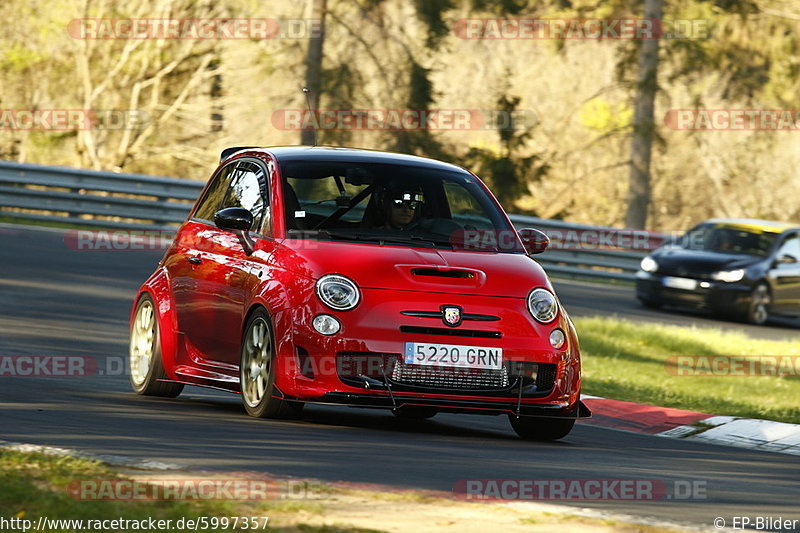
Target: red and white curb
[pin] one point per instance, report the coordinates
(749, 433)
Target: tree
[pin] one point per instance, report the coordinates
(313, 64)
(643, 123)
(508, 171)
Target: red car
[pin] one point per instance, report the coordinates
(359, 278)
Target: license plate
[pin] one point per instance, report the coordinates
(423, 353)
(680, 283)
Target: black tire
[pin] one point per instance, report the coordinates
(647, 302)
(415, 412)
(144, 356)
(541, 429)
(758, 309)
(257, 371)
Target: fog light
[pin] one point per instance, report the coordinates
(326, 325)
(557, 339)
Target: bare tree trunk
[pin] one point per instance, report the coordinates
(643, 122)
(314, 63)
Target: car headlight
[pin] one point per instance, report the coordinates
(648, 264)
(338, 292)
(729, 276)
(542, 305)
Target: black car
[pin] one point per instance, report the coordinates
(742, 267)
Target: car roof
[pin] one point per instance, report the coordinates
(355, 155)
(754, 224)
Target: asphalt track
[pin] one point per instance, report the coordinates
(58, 301)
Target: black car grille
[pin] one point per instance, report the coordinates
(546, 376)
(369, 364)
(681, 272)
(451, 377)
(452, 332)
(381, 370)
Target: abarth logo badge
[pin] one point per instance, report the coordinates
(451, 315)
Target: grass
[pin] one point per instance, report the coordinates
(629, 361)
(36, 484)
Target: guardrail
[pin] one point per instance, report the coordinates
(134, 201)
(91, 198)
(584, 251)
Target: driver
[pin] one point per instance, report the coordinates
(402, 206)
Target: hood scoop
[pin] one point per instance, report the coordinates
(440, 277)
(441, 273)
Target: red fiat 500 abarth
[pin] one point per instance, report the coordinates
(360, 278)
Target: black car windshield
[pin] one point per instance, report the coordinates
(729, 239)
(392, 204)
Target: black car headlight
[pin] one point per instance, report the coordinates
(542, 305)
(338, 292)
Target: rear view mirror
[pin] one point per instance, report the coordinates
(534, 240)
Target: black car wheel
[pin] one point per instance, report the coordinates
(758, 309)
(647, 302)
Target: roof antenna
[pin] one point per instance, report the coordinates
(307, 92)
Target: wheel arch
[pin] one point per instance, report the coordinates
(157, 287)
(280, 318)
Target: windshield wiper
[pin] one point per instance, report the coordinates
(371, 237)
(333, 234)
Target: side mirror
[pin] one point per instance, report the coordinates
(239, 221)
(786, 259)
(534, 240)
(233, 219)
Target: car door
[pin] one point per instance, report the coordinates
(785, 275)
(213, 282)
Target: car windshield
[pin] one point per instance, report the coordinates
(390, 204)
(729, 239)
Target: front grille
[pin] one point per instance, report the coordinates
(451, 377)
(370, 364)
(378, 370)
(546, 376)
(452, 332)
(466, 317)
(681, 272)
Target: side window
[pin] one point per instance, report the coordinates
(215, 196)
(464, 208)
(791, 246)
(240, 184)
(247, 185)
